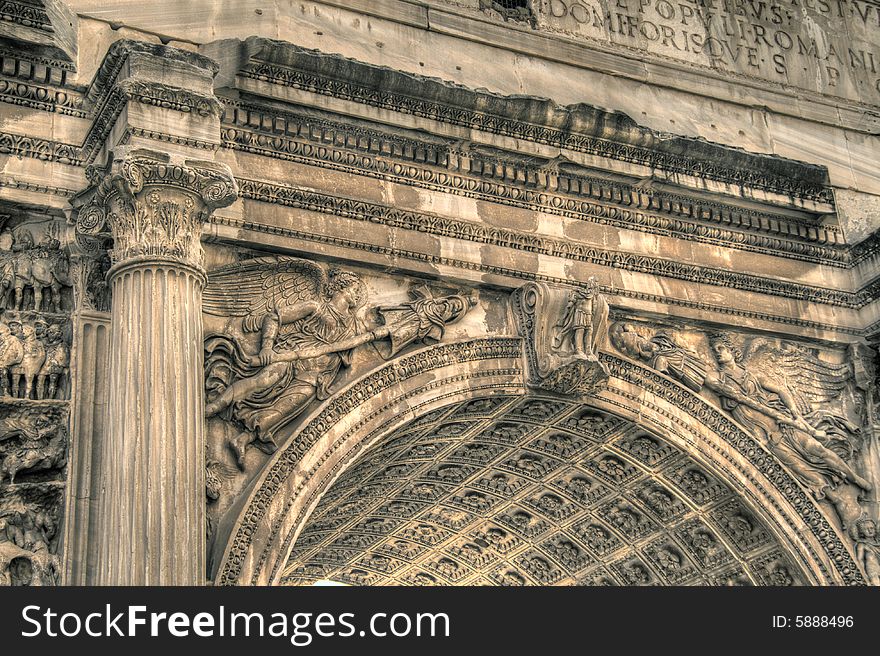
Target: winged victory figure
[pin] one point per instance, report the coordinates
(305, 320)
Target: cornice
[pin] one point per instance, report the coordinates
(41, 28)
(580, 128)
(519, 183)
(107, 96)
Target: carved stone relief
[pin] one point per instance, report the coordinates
(563, 329)
(36, 298)
(303, 323)
(283, 334)
(802, 405)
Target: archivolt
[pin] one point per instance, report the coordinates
(358, 417)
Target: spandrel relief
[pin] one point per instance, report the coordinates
(801, 404)
(283, 334)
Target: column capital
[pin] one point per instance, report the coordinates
(152, 206)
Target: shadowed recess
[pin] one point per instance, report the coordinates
(533, 491)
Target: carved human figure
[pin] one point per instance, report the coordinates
(37, 453)
(307, 333)
(56, 363)
(583, 322)
(270, 393)
(41, 267)
(769, 411)
(16, 328)
(11, 353)
(867, 547)
(25, 557)
(32, 359)
(7, 269)
(22, 243)
(661, 352)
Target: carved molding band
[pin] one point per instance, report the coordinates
(517, 274)
(345, 79)
(471, 231)
(522, 183)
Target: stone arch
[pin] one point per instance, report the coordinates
(347, 426)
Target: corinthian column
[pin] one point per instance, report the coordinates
(152, 526)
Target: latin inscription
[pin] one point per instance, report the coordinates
(828, 46)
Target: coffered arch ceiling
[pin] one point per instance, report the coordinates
(534, 490)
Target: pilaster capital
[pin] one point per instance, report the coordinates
(152, 206)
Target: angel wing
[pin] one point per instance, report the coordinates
(814, 380)
(252, 288)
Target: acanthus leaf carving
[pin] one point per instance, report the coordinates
(153, 207)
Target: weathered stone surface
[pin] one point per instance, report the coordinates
(433, 292)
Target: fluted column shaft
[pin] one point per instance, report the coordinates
(155, 517)
(152, 525)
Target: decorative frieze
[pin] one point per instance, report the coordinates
(35, 304)
(418, 256)
(567, 249)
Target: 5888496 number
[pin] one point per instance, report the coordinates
(823, 621)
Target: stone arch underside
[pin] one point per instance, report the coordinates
(441, 468)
